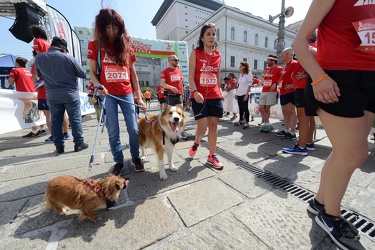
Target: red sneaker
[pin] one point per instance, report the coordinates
(214, 162)
(193, 149)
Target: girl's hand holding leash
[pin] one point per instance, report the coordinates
(101, 89)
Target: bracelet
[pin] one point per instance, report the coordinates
(195, 91)
(319, 80)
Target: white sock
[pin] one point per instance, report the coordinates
(34, 131)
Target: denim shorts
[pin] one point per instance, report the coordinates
(211, 107)
(42, 104)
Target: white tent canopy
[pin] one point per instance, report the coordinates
(7, 7)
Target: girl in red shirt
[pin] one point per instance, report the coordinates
(206, 96)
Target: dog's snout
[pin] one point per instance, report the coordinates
(176, 119)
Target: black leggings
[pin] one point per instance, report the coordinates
(243, 107)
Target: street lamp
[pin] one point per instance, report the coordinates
(281, 32)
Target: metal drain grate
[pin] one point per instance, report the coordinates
(363, 224)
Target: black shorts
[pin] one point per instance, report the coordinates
(212, 107)
(42, 104)
(357, 90)
(161, 100)
(148, 99)
(287, 98)
(298, 98)
(173, 99)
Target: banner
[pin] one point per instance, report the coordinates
(19, 110)
(276, 111)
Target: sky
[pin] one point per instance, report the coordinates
(137, 15)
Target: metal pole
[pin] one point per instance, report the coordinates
(281, 33)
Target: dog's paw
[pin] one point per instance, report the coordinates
(163, 176)
(173, 168)
(143, 157)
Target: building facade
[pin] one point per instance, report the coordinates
(241, 36)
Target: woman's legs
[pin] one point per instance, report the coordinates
(212, 133)
(349, 151)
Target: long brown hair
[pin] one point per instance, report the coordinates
(121, 43)
(246, 67)
(203, 30)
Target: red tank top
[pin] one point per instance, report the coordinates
(338, 39)
(206, 79)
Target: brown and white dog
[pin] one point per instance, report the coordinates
(85, 195)
(161, 132)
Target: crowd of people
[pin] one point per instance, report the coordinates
(319, 81)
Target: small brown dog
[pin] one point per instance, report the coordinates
(85, 195)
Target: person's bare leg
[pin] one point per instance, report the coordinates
(310, 134)
(304, 127)
(212, 133)
(201, 129)
(349, 151)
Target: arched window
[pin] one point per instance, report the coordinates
(266, 42)
(232, 33)
(256, 39)
(275, 44)
(218, 35)
(245, 36)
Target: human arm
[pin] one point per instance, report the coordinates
(198, 97)
(167, 86)
(78, 68)
(327, 90)
(94, 79)
(249, 85)
(11, 80)
(136, 88)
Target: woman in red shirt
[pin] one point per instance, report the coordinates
(342, 92)
(206, 96)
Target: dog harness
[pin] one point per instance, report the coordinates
(96, 188)
(173, 141)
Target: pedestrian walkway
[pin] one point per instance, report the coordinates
(258, 201)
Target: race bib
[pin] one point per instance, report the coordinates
(267, 83)
(366, 32)
(116, 74)
(208, 79)
(175, 78)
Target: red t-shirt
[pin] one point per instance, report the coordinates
(271, 76)
(298, 84)
(115, 78)
(41, 90)
(206, 79)
(160, 90)
(232, 84)
(22, 78)
(172, 77)
(338, 39)
(256, 81)
(41, 45)
(287, 77)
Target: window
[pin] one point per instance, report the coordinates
(192, 46)
(218, 35)
(245, 36)
(147, 83)
(255, 64)
(232, 33)
(266, 42)
(256, 39)
(244, 59)
(232, 61)
(275, 44)
(265, 65)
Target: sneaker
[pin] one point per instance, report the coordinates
(282, 133)
(184, 135)
(80, 147)
(60, 149)
(67, 136)
(288, 136)
(245, 126)
(138, 165)
(314, 208)
(31, 134)
(49, 139)
(214, 162)
(193, 149)
(42, 131)
(233, 117)
(238, 123)
(266, 128)
(310, 146)
(296, 150)
(339, 229)
(117, 168)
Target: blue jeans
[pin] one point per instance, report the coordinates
(57, 116)
(112, 124)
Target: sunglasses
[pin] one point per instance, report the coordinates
(176, 60)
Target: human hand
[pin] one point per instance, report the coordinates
(142, 104)
(289, 86)
(198, 97)
(101, 89)
(327, 91)
(246, 97)
(273, 87)
(300, 75)
(174, 89)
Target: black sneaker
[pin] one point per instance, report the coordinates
(288, 136)
(80, 147)
(31, 134)
(314, 208)
(60, 149)
(43, 131)
(117, 168)
(138, 165)
(281, 133)
(339, 230)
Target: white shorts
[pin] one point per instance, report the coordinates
(267, 98)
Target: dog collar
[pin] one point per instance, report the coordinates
(96, 188)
